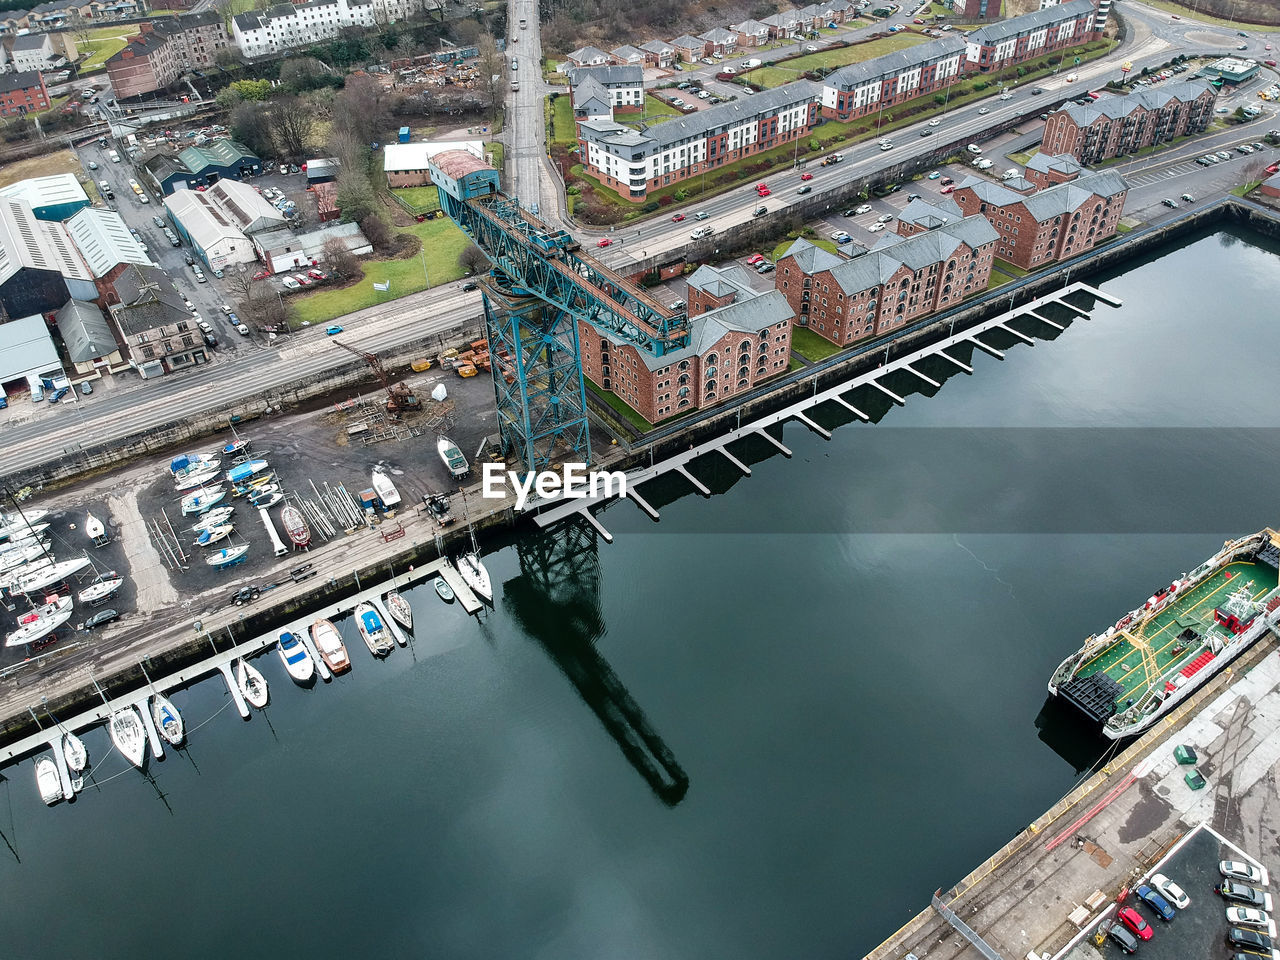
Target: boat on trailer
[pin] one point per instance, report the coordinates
(39, 623)
(244, 471)
(48, 576)
(226, 556)
(201, 499)
(193, 480)
(452, 457)
(1135, 672)
(125, 727)
(295, 526)
(214, 518)
(385, 489)
(101, 589)
(212, 535)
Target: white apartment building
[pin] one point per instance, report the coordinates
(285, 26)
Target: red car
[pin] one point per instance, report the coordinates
(677, 218)
(317, 275)
(262, 274)
(604, 242)
(755, 258)
(1269, 63)
(762, 186)
(917, 20)
(1133, 920)
(764, 193)
(806, 176)
(949, 188)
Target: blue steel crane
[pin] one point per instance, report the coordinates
(541, 285)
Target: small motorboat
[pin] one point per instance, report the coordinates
(200, 500)
(294, 656)
(168, 719)
(251, 683)
(400, 609)
(48, 780)
(373, 630)
(263, 489)
(266, 500)
(102, 588)
(452, 457)
(74, 752)
(212, 535)
(243, 471)
(295, 526)
(443, 590)
(214, 518)
(125, 727)
(197, 479)
(385, 489)
(41, 622)
(329, 644)
(476, 576)
(226, 556)
(234, 447)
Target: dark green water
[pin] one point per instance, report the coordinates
(840, 660)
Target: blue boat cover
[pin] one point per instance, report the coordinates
(372, 622)
(245, 470)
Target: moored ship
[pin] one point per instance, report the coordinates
(1154, 657)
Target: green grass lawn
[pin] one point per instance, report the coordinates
(811, 346)
(794, 364)
(620, 407)
(1012, 269)
(1187, 14)
(441, 239)
(560, 122)
(1245, 188)
(422, 199)
(776, 76)
(100, 51)
(655, 111)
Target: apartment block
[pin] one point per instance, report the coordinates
(1114, 126)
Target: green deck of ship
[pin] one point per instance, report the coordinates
(1124, 662)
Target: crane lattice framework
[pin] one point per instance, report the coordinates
(542, 285)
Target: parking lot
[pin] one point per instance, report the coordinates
(1198, 931)
(209, 296)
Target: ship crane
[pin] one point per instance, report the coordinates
(399, 397)
(542, 292)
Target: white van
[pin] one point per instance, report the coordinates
(982, 163)
(702, 232)
(974, 149)
(1011, 174)
(115, 157)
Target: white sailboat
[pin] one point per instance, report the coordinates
(41, 622)
(400, 609)
(11, 523)
(214, 518)
(24, 537)
(201, 499)
(226, 556)
(102, 588)
(168, 719)
(197, 479)
(212, 535)
(94, 528)
(22, 554)
(252, 684)
(50, 575)
(74, 752)
(48, 781)
(384, 488)
(476, 576)
(125, 727)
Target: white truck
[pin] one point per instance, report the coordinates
(750, 64)
(702, 232)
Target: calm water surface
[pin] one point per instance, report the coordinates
(767, 727)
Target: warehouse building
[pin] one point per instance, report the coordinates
(212, 235)
(56, 198)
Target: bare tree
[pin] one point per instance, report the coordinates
(378, 233)
(291, 122)
(241, 282)
(340, 258)
(362, 108)
(491, 66)
(472, 259)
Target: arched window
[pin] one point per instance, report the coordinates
(682, 392)
(744, 346)
(684, 364)
(682, 379)
(682, 403)
(713, 358)
(764, 346)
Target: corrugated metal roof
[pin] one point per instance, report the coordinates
(85, 331)
(57, 188)
(26, 348)
(203, 221)
(104, 241)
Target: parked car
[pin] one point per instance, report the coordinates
(1245, 872)
(303, 279)
(1158, 904)
(99, 618)
(604, 242)
(885, 218)
(765, 267)
(204, 325)
(93, 165)
(190, 261)
(159, 222)
(1243, 893)
(1169, 202)
(1188, 198)
(58, 394)
(1251, 941)
(876, 227)
(1122, 937)
(1171, 891)
(862, 208)
(949, 188)
(232, 319)
(755, 258)
(1133, 920)
(86, 388)
(284, 168)
(1251, 917)
(289, 283)
(260, 275)
(317, 275)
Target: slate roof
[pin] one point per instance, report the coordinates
(1029, 22)
(722, 281)
(745, 316)
(1114, 108)
(1055, 201)
(699, 124)
(1062, 163)
(916, 252)
(586, 54)
(148, 299)
(627, 74)
(689, 42)
(659, 47)
(750, 27)
(85, 331)
(856, 74)
(931, 213)
(720, 35)
(10, 82)
(811, 258)
(30, 41)
(627, 52)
